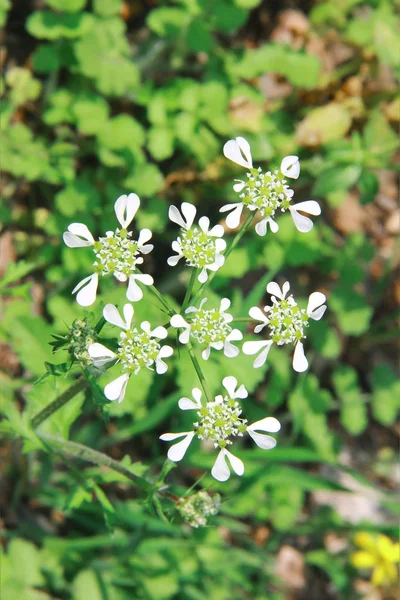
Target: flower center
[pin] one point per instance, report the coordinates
(197, 247)
(266, 191)
(80, 337)
(117, 253)
(287, 321)
(220, 420)
(137, 349)
(209, 326)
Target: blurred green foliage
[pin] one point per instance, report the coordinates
(107, 97)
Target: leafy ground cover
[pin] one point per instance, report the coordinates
(109, 97)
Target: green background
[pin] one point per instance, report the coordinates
(109, 97)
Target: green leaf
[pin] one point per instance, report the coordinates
(107, 8)
(122, 131)
(46, 59)
(52, 26)
(91, 113)
(353, 312)
(353, 410)
(299, 68)
(198, 37)
(336, 178)
(23, 85)
(369, 187)
(103, 55)
(387, 43)
(146, 179)
(160, 142)
(168, 21)
(385, 394)
(86, 585)
(67, 5)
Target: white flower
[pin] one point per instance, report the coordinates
(209, 327)
(286, 322)
(136, 349)
(116, 253)
(200, 246)
(266, 192)
(219, 421)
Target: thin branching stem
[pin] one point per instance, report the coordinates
(74, 389)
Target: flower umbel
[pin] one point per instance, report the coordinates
(286, 322)
(267, 192)
(138, 348)
(80, 336)
(378, 553)
(116, 253)
(200, 246)
(197, 508)
(220, 421)
(210, 328)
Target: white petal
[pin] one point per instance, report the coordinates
(100, 354)
(300, 362)
(204, 223)
(274, 289)
(261, 227)
(165, 351)
(273, 225)
(187, 404)
(224, 305)
(233, 219)
(159, 332)
(236, 464)
(315, 300)
(125, 209)
(203, 275)
(134, 293)
(111, 315)
(120, 276)
(145, 326)
(116, 389)
(269, 424)
(197, 393)
(217, 231)
(161, 366)
(230, 384)
(266, 442)
(176, 217)
(308, 206)
(189, 212)
(239, 185)
(285, 288)
(144, 236)
(170, 437)
(220, 470)
(179, 321)
(318, 313)
(178, 451)
(205, 355)
(173, 260)
(78, 236)
(234, 336)
(128, 311)
(303, 224)
(290, 166)
(257, 314)
(184, 336)
(262, 357)
(251, 348)
(220, 245)
(230, 350)
(88, 289)
(239, 152)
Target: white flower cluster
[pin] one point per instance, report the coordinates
(218, 421)
(266, 192)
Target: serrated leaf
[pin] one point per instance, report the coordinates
(47, 25)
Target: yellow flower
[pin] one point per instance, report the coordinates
(379, 553)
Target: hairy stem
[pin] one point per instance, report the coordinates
(189, 290)
(199, 372)
(93, 456)
(79, 385)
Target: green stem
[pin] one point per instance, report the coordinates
(93, 456)
(189, 290)
(227, 252)
(243, 320)
(79, 385)
(159, 296)
(199, 372)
